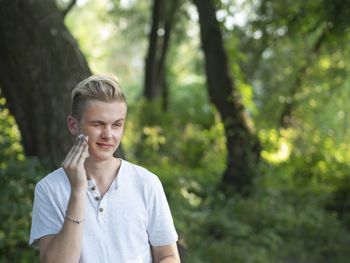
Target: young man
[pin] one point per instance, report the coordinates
(97, 208)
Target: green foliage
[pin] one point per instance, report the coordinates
(284, 220)
(18, 176)
(192, 136)
(270, 226)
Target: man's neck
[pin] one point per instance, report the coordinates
(103, 171)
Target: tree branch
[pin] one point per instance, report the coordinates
(285, 118)
(69, 7)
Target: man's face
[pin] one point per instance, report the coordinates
(103, 123)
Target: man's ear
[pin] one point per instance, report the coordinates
(73, 125)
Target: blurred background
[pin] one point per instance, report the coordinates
(240, 107)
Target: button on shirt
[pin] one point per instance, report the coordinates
(119, 227)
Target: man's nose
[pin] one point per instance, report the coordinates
(107, 132)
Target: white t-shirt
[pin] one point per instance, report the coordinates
(120, 227)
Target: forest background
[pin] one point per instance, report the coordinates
(240, 107)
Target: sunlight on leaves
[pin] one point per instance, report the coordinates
(277, 145)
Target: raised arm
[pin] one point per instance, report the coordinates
(66, 245)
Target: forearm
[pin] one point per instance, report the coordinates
(169, 259)
(66, 245)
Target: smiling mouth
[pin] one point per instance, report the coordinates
(105, 145)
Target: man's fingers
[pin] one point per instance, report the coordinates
(71, 152)
(78, 150)
(73, 165)
(84, 154)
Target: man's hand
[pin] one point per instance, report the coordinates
(73, 165)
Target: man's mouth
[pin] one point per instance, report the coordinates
(104, 145)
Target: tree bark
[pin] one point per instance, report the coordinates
(40, 63)
(242, 145)
(151, 88)
(155, 73)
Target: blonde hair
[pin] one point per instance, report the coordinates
(103, 87)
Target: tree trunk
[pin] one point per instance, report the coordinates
(155, 73)
(242, 145)
(40, 63)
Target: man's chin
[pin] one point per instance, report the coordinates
(101, 157)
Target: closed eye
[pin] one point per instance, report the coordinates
(97, 123)
(118, 124)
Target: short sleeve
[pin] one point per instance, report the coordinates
(161, 229)
(47, 218)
